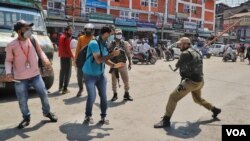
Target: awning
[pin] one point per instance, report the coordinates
(205, 35)
(182, 15)
(166, 31)
(101, 21)
(127, 28)
(146, 29)
(56, 23)
(62, 24)
(176, 34)
(99, 26)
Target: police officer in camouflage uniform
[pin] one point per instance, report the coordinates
(191, 71)
(122, 58)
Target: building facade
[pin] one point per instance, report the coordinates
(172, 17)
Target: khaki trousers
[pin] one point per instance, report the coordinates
(187, 87)
(124, 75)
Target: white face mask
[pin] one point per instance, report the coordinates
(111, 38)
(27, 34)
(118, 37)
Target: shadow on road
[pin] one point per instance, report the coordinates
(74, 100)
(54, 94)
(80, 132)
(9, 133)
(73, 85)
(190, 130)
(112, 104)
(8, 96)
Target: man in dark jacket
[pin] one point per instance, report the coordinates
(191, 71)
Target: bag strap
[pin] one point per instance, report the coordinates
(100, 50)
(33, 42)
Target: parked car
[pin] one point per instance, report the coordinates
(176, 49)
(217, 49)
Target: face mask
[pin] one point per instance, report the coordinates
(27, 34)
(69, 34)
(118, 37)
(88, 33)
(111, 38)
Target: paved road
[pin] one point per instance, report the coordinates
(227, 86)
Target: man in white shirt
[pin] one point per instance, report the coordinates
(144, 49)
(229, 50)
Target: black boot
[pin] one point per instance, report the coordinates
(79, 93)
(165, 122)
(25, 122)
(52, 117)
(216, 112)
(127, 97)
(115, 97)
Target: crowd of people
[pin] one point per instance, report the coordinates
(94, 53)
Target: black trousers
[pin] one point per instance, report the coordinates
(80, 78)
(65, 73)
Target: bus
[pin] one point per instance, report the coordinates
(10, 12)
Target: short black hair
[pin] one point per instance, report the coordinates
(105, 29)
(67, 28)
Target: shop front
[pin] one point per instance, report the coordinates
(128, 27)
(100, 20)
(190, 30)
(146, 30)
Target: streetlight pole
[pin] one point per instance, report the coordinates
(165, 18)
(73, 10)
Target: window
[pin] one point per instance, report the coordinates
(89, 10)
(194, 9)
(144, 2)
(154, 3)
(116, 0)
(135, 16)
(124, 14)
(1, 18)
(186, 8)
(55, 5)
(50, 4)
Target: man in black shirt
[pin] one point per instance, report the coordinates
(191, 71)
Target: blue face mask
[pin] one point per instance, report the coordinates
(111, 38)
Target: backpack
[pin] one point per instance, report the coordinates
(82, 56)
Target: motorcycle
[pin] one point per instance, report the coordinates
(228, 57)
(169, 54)
(205, 52)
(139, 57)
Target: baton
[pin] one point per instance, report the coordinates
(16, 81)
(174, 70)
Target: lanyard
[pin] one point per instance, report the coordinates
(26, 55)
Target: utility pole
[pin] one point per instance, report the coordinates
(165, 18)
(73, 10)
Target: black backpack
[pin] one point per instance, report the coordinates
(82, 56)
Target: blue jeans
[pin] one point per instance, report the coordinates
(22, 94)
(91, 83)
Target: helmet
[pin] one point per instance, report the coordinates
(89, 26)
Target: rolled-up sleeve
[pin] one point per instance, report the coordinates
(9, 59)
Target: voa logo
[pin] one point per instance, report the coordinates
(236, 132)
